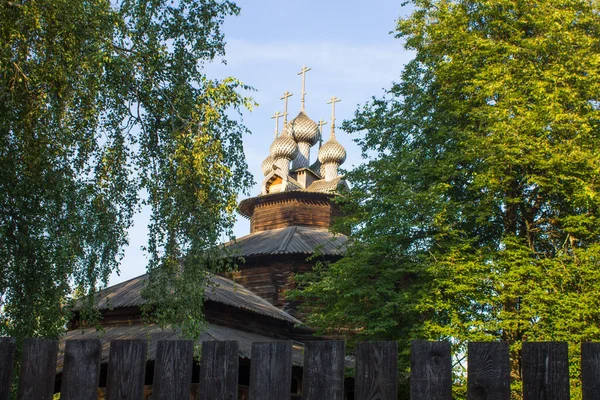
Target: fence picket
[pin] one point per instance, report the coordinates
(590, 371)
(431, 371)
(376, 371)
(7, 356)
(271, 371)
(324, 370)
(545, 371)
(173, 370)
(38, 369)
(126, 370)
(488, 371)
(219, 370)
(81, 372)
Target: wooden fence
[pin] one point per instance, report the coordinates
(545, 370)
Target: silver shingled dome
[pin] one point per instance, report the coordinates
(332, 152)
(267, 165)
(284, 147)
(303, 129)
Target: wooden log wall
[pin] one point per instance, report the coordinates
(545, 370)
(270, 277)
(292, 212)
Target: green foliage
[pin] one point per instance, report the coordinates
(476, 214)
(104, 108)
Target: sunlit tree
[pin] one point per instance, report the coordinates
(104, 108)
(475, 216)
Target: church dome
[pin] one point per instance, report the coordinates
(284, 147)
(267, 165)
(332, 152)
(303, 129)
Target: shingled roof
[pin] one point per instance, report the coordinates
(221, 290)
(246, 206)
(289, 240)
(336, 185)
(153, 333)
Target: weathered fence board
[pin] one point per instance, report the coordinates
(271, 371)
(431, 371)
(126, 370)
(590, 371)
(7, 357)
(219, 370)
(173, 370)
(81, 372)
(38, 369)
(323, 374)
(545, 371)
(489, 371)
(376, 371)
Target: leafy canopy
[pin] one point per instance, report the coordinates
(104, 108)
(476, 215)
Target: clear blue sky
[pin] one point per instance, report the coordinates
(351, 52)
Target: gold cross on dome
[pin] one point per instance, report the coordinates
(321, 123)
(332, 101)
(276, 118)
(303, 72)
(285, 98)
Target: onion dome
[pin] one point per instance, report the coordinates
(303, 129)
(332, 152)
(267, 165)
(284, 147)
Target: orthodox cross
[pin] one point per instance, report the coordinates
(303, 72)
(321, 123)
(276, 118)
(285, 98)
(332, 102)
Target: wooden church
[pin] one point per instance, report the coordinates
(289, 223)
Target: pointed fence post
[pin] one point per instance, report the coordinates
(126, 370)
(323, 374)
(38, 369)
(81, 372)
(545, 371)
(219, 370)
(271, 371)
(7, 359)
(173, 370)
(376, 371)
(430, 371)
(590, 371)
(488, 371)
